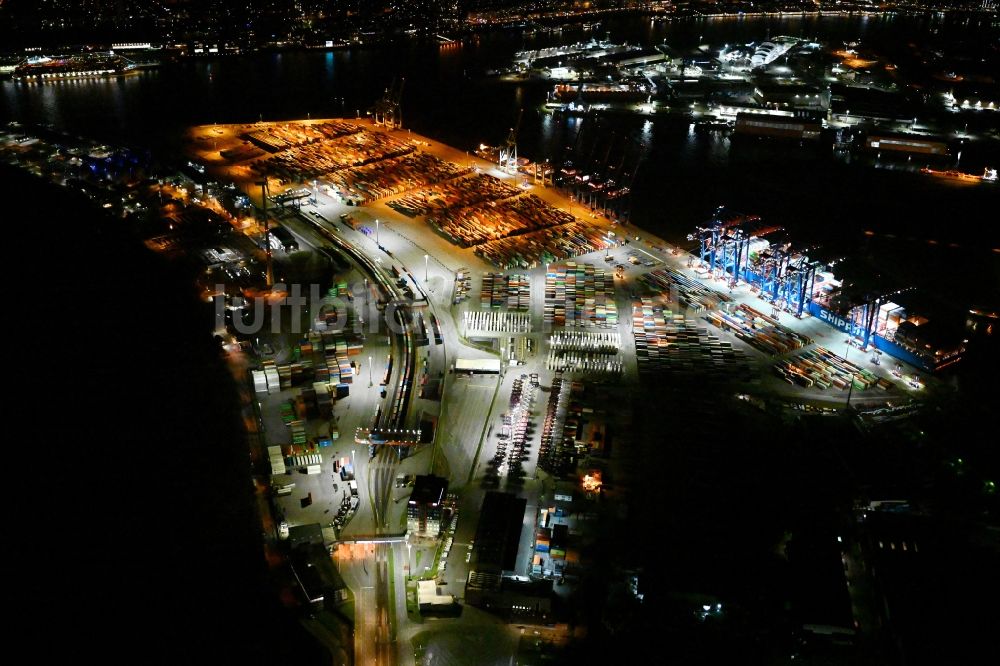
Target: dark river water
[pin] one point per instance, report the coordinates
(818, 198)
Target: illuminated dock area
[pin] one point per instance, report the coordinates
(421, 202)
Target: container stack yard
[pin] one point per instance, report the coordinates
(757, 329)
(378, 180)
(311, 160)
(580, 295)
(666, 341)
(493, 290)
(463, 284)
(689, 292)
(649, 327)
(455, 194)
(518, 292)
(497, 218)
(499, 291)
(821, 368)
(532, 249)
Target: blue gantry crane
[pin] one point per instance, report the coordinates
(784, 276)
(732, 245)
(723, 242)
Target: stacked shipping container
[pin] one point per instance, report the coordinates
(758, 330)
(579, 295)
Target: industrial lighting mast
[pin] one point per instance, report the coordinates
(267, 230)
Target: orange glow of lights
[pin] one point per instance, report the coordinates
(592, 482)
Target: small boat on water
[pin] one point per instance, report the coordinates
(707, 126)
(953, 174)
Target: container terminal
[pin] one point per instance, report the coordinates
(486, 218)
(521, 299)
(546, 243)
(734, 248)
(502, 215)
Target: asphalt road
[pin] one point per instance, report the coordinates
(375, 619)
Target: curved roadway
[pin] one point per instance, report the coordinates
(378, 631)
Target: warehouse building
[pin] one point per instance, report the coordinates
(907, 143)
(790, 96)
(777, 126)
(517, 598)
(432, 602)
(425, 508)
(497, 538)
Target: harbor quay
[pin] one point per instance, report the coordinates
(440, 214)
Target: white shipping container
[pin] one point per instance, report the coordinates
(259, 381)
(273, 381)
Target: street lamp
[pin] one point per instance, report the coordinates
(370, 372)
(850, 389)
(426, 257)
(376, 232)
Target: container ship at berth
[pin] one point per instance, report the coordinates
(83, 65)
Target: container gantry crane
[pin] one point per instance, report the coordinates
(508, 151)
(862, 313)
(388, 111)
